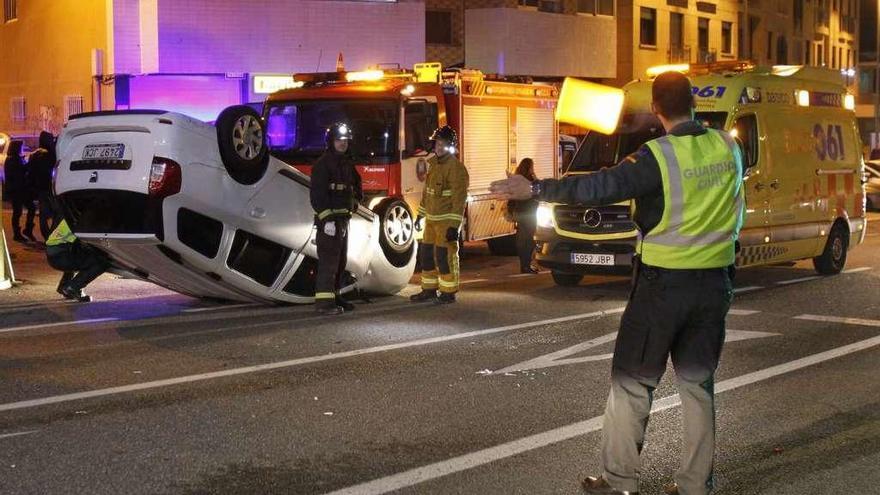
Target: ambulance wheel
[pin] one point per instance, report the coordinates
(566, 279)
(241, 135)
(833, 258)
(396, 231)
(503, 246)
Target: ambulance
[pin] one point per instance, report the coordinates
(803, 171)
(393, 113)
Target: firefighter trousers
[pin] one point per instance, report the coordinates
(671, 312)
(332, 256)
(439, 259)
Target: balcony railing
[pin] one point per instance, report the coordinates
(679, 54)
(707, 56)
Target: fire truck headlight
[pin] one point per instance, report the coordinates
(544, 216)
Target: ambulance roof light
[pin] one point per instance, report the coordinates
(365, 75)
(786, 70)
(803, 98)
(660, 69)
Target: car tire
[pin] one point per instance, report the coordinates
(566, 279)
(503, 246)
(396, 231)
(833, 257)
(241, 135)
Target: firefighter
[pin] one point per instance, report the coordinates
(683, 281)
(440, 216)
(335, 194)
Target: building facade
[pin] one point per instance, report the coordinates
(868, 100)
(191, 56)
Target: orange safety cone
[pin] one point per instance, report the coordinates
(340, 64)
(7, 276)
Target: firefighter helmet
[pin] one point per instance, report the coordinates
(340, 131)
(447, 134)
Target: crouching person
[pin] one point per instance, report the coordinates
(80, 263)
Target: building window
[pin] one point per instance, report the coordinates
(586, 6)
(703, 34)
(727, 38)
(798, 15)
(18, 109)
(808, 51)
(781, 50)
(529, 3)
(552, 6)
(72, 105)
(10, 10)
(606, 7)
(438, 27)
(600, 7)
(769, 46)
(648, 27)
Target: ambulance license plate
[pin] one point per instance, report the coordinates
(592, 259)
(113, 151)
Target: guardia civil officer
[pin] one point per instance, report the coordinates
(689, 208)
(335, 194)
(442, 212)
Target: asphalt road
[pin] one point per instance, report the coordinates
(499, 393)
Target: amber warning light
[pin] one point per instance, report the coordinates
(589, 105)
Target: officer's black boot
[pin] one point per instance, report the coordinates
(328, 307)
(344, 304)
(64, 280)
(598, 486)
(74, 294)
(446, 298)
(424, 296)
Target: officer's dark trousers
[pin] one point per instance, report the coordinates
(679, 313)
(48, 211)
(80, 264)
(525, 240)
(332, 255)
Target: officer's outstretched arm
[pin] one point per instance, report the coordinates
(637, 175)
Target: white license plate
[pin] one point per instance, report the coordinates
(104, 152)
(592, 259)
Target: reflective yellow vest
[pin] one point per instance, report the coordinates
(445, 194)
(703, 202)
(61, 235)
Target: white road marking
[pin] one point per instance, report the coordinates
(557, 358)
(742, 312)
(296, 362)
(521, 275)
(857, 270)
(58, 324)
(838, 319)
(474, 281)
(18, 434)
(540, 440)
(751, 288)
(798, 280)
(217, 308)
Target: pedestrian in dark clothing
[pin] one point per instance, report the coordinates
(683, 283)
(19, 192)
(523, 213)
(335, 194)
(80, 262)
(40, 167)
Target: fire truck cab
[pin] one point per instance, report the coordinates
(393, 113)
(803, 168)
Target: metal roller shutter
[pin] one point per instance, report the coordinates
(486, 150)
(535, 140)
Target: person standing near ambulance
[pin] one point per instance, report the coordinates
(335, 194)
(689, 199)
(442, 212)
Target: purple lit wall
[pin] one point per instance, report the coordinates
(202, 97)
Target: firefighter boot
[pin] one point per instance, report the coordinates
(344, 304)
(424, 296)
(445, 298)
(328, 307)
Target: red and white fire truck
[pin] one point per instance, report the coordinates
(393, 112)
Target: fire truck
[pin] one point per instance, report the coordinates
(393, 112)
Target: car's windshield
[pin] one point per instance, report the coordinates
(600, 151)
(296, 129)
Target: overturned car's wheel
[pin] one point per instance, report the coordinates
(241, 135)
(396, 231)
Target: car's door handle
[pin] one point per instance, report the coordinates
(258, 212)
(775, 184)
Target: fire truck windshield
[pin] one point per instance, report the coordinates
(600, 151)
(296, 130)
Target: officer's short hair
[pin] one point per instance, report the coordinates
(672, 95)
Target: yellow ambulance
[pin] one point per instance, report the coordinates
(803, 171)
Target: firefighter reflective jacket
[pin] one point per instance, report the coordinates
(336, 187)
(445, 194)
(703, 202)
